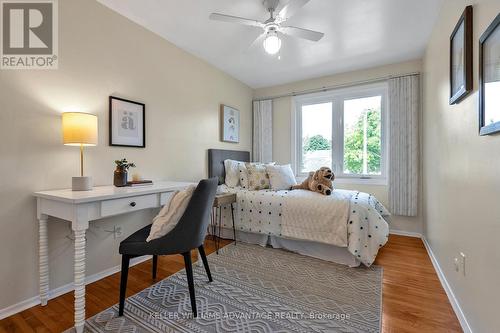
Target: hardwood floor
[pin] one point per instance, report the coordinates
(413, 299)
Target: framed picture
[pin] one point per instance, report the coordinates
(461, 58)
(230, 124)
(489, 79)
(127, 123)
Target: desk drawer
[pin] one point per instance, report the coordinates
(125, 205)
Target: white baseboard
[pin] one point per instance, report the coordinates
(405, 233)
(449, 292)
(30, 302)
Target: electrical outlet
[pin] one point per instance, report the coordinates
(456, 262)
(462, 258)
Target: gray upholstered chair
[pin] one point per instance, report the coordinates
(187, 235)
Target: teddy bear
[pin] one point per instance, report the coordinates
(319, 181)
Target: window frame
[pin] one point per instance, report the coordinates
(337, 98)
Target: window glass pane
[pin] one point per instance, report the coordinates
(316, 136)
(362, 136)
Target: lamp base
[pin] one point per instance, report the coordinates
(81, 183)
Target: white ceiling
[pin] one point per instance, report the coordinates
(358, 34)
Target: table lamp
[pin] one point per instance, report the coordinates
(80, 129)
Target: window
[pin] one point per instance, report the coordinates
(362, 136)
(343, 129)
(316, 136)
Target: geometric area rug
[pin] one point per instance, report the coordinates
(255, 289)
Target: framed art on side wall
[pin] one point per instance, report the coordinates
(230, 124)
(461, 57)
(127, 123)
(489, 79)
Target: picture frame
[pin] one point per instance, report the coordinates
(229, 124)
(127, 123)
(461, 80)
(489, 79)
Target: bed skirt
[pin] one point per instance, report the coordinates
(339, 255)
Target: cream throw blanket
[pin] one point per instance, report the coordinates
(170, 214)
(314, 217)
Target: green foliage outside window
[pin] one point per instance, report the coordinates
(317, 142)
(354, 144)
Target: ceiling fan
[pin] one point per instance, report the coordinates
(275, 24)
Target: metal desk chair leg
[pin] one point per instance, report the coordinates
(217, 244)
(234, 229)
(213, 225)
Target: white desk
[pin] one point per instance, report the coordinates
(81, 207)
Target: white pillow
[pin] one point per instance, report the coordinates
(170, 214)
(232, 174)
(281, 176)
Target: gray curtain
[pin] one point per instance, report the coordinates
(263, 131)
(404, 110)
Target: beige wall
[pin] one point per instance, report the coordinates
(461, 176)
(101, 54)
(282, 112)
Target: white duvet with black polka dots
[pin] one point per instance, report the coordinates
(357, 217)
(367, 230)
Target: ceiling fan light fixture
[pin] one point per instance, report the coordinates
(274, 24)
(272, 43)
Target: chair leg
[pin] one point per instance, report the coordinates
(123, 282)
(155, 266)
(214, 222)
(201, 249)
(232, 219)
(217, 242)
(189, 273)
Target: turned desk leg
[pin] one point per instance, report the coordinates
(79, 284)
(43, 259)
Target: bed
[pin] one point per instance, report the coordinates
(347, 227)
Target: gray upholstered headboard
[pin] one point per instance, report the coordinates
(216, 159)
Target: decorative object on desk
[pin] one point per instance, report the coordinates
(230, 124)
(121, 172)
(135, 183)
(136, 177)
(461, 57)
(80, 129)
(489, 79)
(127, 123)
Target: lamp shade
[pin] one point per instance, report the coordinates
(79, 129)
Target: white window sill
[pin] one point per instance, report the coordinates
(351, 180)
(362, 181)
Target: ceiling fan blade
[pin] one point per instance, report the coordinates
(291, 8)
(235, 19)
(302, 33)
(258, 41)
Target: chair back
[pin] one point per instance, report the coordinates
(191, 230)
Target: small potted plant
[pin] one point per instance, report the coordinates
(121, 172)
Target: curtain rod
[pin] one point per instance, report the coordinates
(338, 86)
